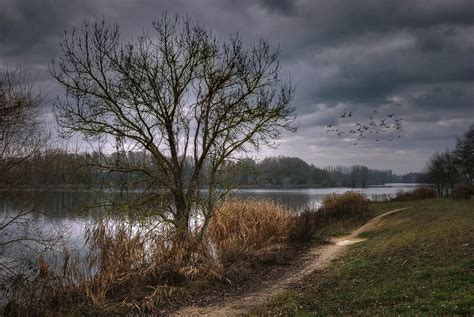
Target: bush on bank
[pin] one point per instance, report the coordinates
(418, 193)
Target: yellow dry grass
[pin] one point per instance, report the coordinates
(242, 228)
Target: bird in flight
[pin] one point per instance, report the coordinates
(374, 128)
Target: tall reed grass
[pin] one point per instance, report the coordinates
(245, 228)
(136, 267)
(143, 265)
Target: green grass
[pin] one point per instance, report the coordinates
(420, 261)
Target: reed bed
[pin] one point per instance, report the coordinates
(142, 267)
(136, 267)
(241, 229)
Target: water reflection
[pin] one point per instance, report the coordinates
(60, 206)
(298, 199)
(67, 213)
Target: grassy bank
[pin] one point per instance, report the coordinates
(420, 260)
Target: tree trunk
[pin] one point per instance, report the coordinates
(183, 212)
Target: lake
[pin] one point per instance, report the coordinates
(69, 205)
(299, 198)
(70, 211)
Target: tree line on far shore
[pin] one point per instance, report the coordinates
(453, 169)
(58, 168)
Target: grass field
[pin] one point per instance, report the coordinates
(418, 261)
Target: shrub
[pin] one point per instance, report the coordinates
(334, 209)
(463, 191)
(343, 206)
(305, 225)
(245, 228)
(416, 194)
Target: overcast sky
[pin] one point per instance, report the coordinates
(413, 58)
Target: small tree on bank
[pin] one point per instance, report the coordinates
(442, 172)
(464, 154)
(194, 103)
(450, 168)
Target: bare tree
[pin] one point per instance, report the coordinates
(21, 134)
(193, 102)
(464, 154)
(22, 137)
(442, 171)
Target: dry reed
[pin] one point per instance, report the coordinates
(244, 228)
(141, 267)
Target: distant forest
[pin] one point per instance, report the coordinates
(127, 171)
(293, 172)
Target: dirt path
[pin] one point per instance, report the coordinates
(318, 258)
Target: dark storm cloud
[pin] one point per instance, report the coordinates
(414, 58)
(27, 27)
(286, 7)
(372, 67)
(330, 22)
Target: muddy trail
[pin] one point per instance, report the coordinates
(316, 259)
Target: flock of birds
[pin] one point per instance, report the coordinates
(373, 127)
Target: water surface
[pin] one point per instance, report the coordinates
(66, 213)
